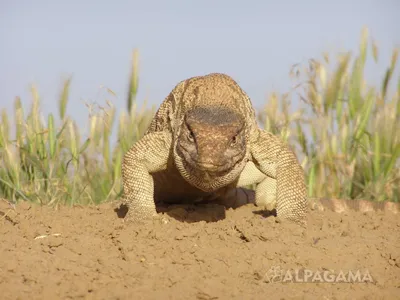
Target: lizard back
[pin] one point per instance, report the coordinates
(213, 91)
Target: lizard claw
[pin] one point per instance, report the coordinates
(139, 219)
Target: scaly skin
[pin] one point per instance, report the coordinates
(202, 144)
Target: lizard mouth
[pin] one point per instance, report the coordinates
(204, 167)
(212, 168)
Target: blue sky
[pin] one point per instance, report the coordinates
(255, 42)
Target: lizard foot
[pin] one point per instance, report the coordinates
(138, 219)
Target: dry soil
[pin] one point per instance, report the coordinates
(202, 252)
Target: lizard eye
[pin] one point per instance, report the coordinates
(234, 140)
(190, 136)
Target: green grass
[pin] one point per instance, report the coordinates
(346, 134)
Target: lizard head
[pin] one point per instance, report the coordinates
(211, 142)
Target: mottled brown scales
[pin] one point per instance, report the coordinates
(202, 144)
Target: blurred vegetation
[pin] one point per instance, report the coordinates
(346, 134)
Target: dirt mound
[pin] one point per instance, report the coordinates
(201, 253)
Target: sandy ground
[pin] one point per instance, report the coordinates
(203, 252)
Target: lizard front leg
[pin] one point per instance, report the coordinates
(148, 155)
(280, 180)
(265, 195)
